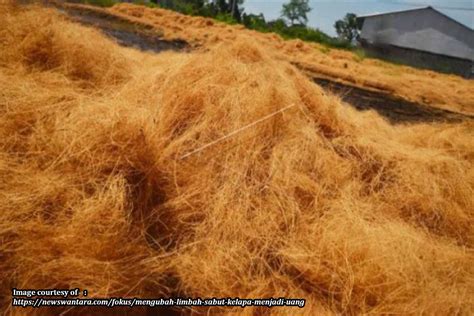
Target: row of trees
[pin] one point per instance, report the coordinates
(292, 22)
(209, 8)
(297, 10)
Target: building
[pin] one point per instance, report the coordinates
(422, 37)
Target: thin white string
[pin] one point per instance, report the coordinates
(236, 131)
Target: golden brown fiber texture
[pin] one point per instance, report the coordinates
(319, 202)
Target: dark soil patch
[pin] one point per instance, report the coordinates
(126, 33)
(395, 109)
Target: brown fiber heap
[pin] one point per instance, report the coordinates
(318, 201)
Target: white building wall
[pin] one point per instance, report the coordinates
(425, 30)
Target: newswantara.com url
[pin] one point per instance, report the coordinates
(163, 302)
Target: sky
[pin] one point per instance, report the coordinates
(325, 12)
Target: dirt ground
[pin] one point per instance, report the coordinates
(395, 109)
(125, 33)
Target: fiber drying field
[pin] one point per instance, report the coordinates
(106, 183)
(426, 87)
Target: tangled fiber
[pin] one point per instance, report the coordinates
(99, 191)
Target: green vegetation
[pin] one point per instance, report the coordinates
(324, 49)
(347, 28)
(296, 10)
(226, 18)
(226, 11)
(359, 54)
(231, 12)
(101, 3)
(146, 3)
(279, 26)
(190, 7)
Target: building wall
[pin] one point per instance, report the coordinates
(424, 29)
(420, 59)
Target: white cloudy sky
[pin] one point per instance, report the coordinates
(326, 12)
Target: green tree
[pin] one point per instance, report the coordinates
(347, 28)
(296, 10)
(193, 7)
(255, 22)
(228, 7)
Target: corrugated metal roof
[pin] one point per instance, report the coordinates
(361, 18)
(423, 29)
(393, 12)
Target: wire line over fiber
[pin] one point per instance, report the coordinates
(237, 131)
